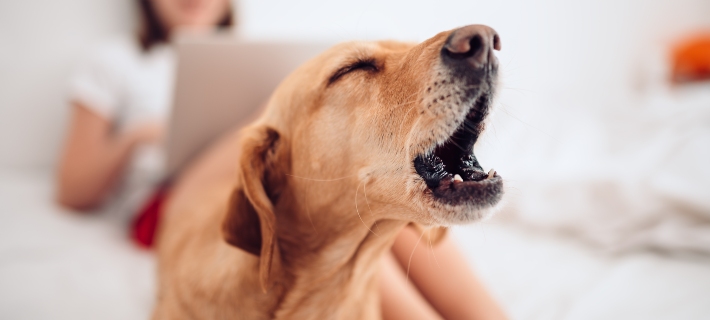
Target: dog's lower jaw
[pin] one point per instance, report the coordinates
(347, 289)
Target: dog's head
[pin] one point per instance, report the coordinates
(382, 128)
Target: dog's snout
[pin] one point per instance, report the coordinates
(472, 46)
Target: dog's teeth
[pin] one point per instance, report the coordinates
(458, 178)
(491, 173)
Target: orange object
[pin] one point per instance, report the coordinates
(691, 59)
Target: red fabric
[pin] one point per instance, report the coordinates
(146, 223)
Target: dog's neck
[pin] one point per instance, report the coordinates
(332, 270)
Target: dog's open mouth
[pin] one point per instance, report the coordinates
(452, 172)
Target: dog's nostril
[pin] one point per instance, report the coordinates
(471, 45)
(464, 49)
(476, 45)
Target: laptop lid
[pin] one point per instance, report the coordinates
(220, 82)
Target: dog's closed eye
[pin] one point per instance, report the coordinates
(362, 64)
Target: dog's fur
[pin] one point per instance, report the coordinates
(323, 184)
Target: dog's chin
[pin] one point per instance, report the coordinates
(457, 215)
(464, 202)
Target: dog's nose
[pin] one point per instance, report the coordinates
(472, 46)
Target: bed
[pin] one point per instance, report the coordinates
(57, 265)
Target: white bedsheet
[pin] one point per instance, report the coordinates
(54, 265)
(623, 176)
(546, 276)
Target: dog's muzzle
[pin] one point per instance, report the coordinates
(450, 169)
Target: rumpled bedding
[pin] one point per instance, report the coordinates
(636, 177)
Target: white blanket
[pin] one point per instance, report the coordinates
(622, 178)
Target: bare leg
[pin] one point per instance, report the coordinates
(400, 298)
(444, 278)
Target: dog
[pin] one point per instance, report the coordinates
(289, 217)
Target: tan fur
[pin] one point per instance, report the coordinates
(323, 178)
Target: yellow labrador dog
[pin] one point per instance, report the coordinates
(288, 218)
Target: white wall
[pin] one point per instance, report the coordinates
(571, 55)
(40, 41)
(566, 53)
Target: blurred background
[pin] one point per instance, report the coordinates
(608, 189)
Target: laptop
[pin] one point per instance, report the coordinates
(221, 81)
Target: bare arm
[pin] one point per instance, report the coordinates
(93, 157)
(444, 278)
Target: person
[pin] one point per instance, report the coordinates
(120, 101)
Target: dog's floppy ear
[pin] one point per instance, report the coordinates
(250, 223)
(431, 235)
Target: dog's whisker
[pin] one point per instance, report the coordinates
(308, 210)
(358, 212)
(415, 128)
(457, 145)
(320, 180)
(527, 124)
(407, 98)
(431, 249)
(469, 125)
(433, 253)
(403, 104)
(404, 119)
(364, 189)
(409, 263)
(471, 130)
(517, 89)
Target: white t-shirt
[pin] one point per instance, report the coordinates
(127, 86)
